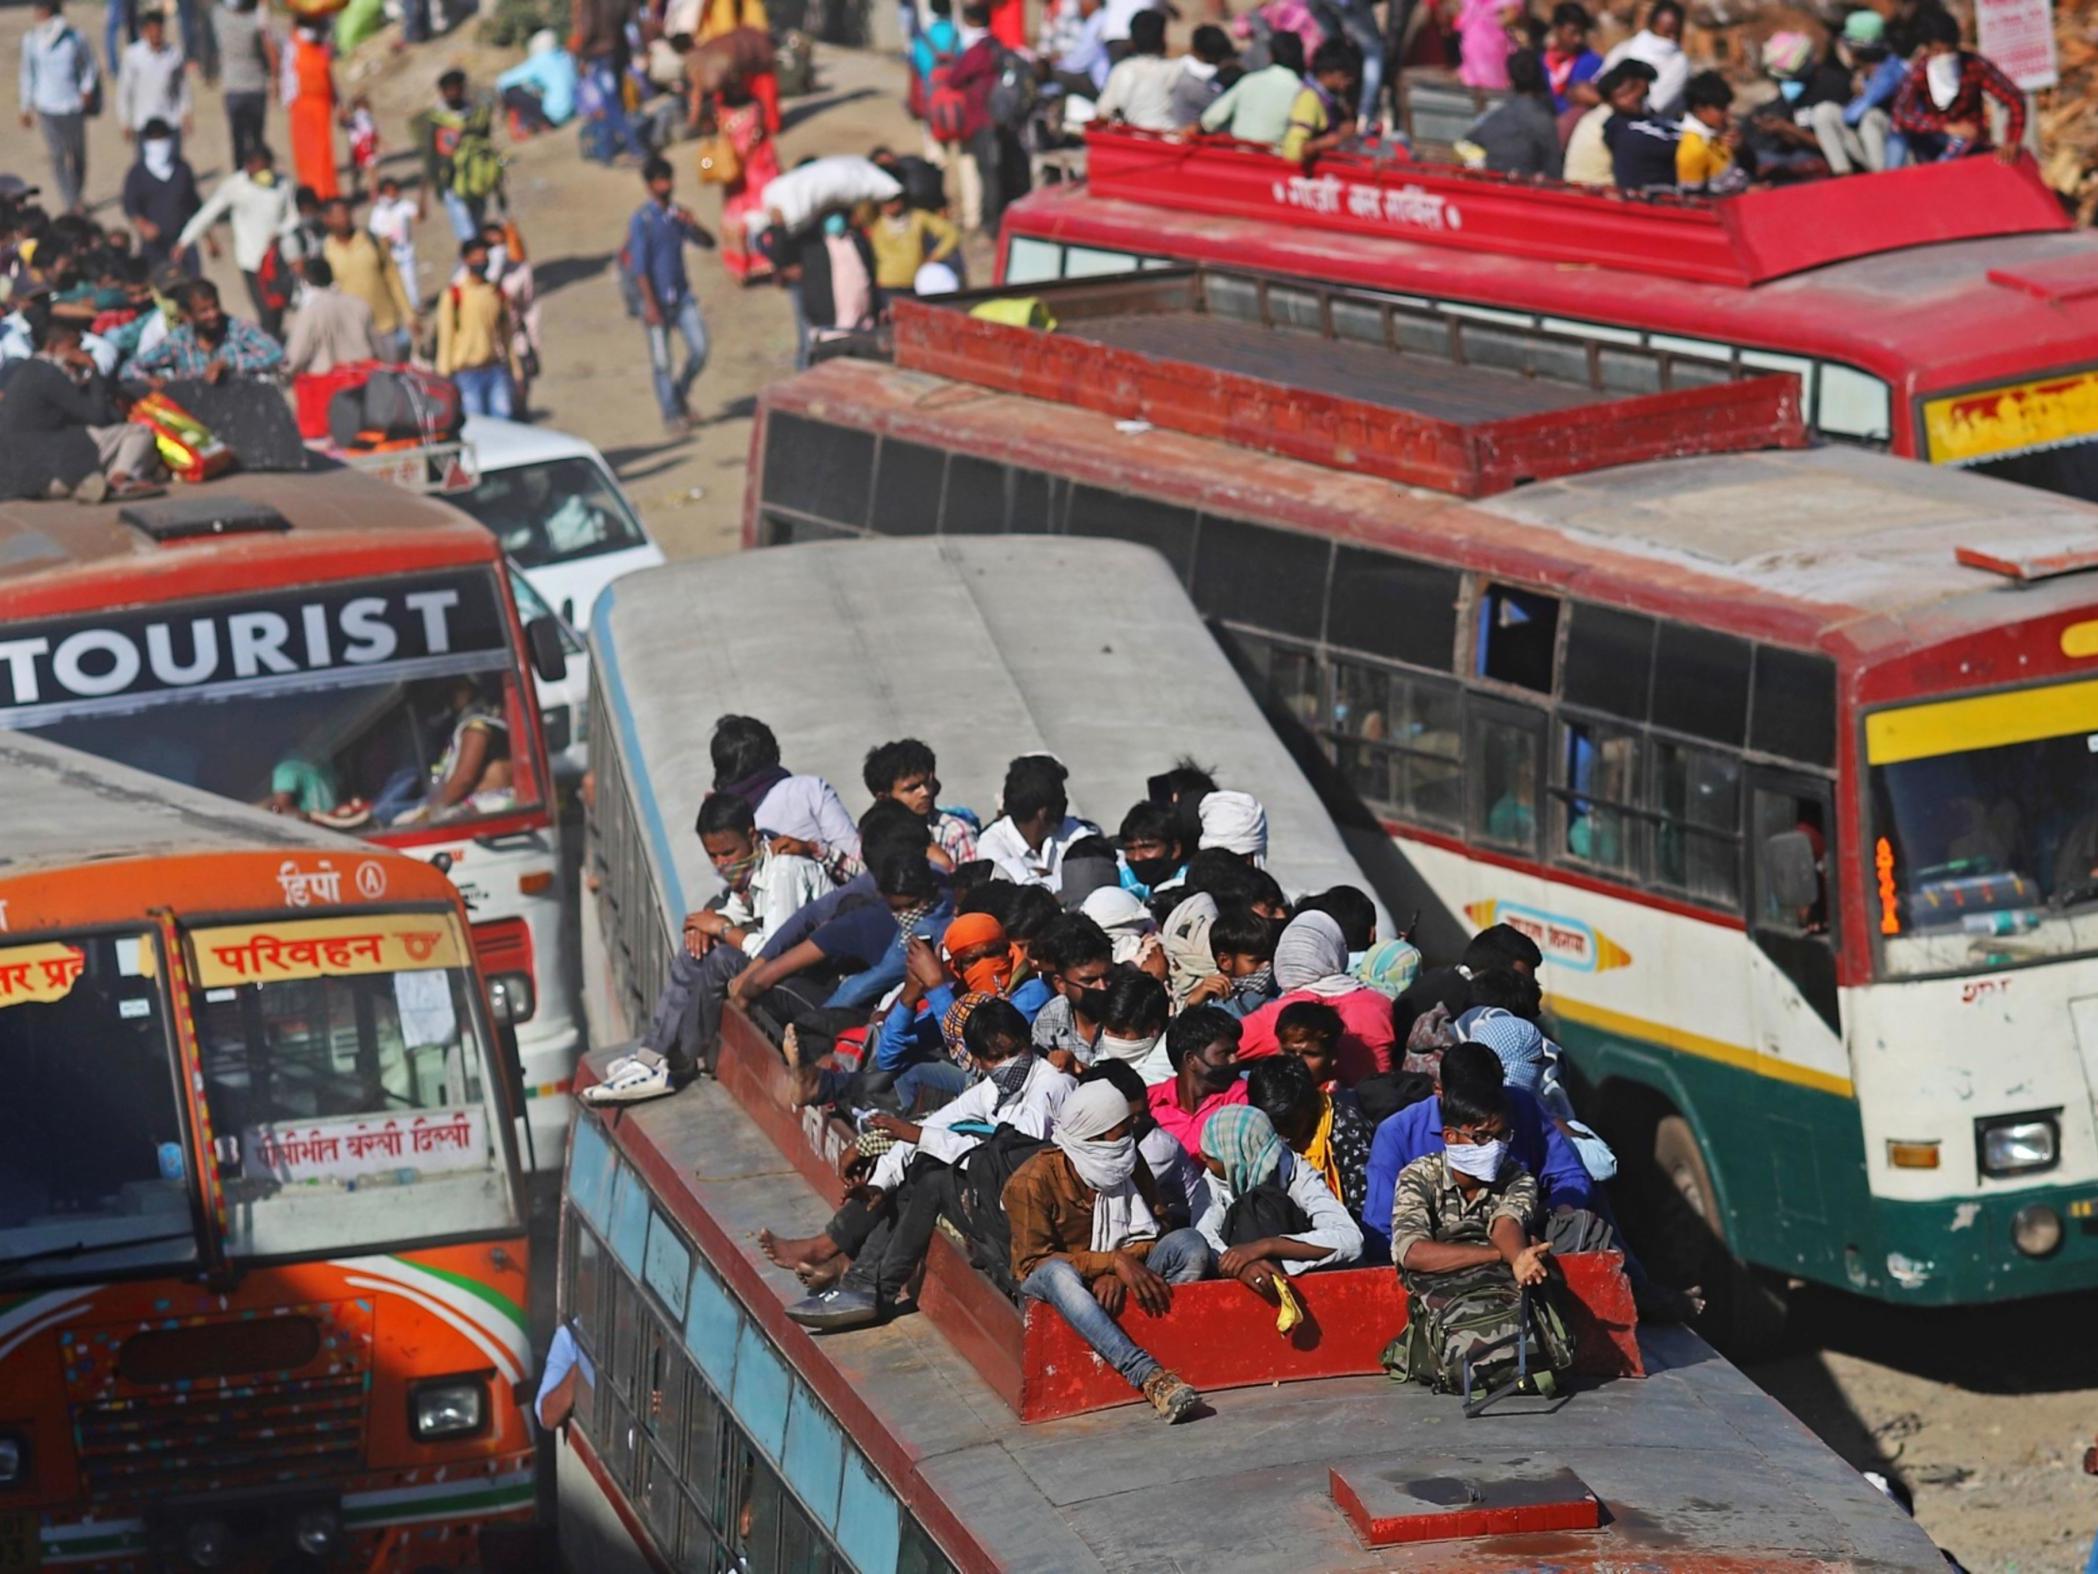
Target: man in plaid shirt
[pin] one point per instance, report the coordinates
(1939, 109)
(209, 344)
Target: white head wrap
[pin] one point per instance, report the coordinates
(1311, 953)
(1125, 919)
(1236, 822)
(1119, 1211)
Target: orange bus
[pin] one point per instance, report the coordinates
(262, 1243)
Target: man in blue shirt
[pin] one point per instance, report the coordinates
(655, 260)
(57, 81)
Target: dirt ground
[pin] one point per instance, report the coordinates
(1985, 1413)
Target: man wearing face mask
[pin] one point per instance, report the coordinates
(161, 197)
(975, 957)
(1941, 110)
(265, 229)
(474, 337)
(1073, 955)
(1153, 858)
(1202, 1047)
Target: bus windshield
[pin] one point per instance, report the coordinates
(349, 1084)
(92, 1168)
(1986, 849)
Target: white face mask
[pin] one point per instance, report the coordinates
(1130, 1049)
(1941, 73)
(1480, 1160)
(159, 153)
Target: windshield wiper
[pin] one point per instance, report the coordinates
(83, 1248)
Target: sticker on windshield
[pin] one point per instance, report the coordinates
(430, 1141)
(325, 947)
(39, 973)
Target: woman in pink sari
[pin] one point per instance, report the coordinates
(741, 119)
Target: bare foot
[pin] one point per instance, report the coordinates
(823, 1275)
(790, 1046)
(805, 1252)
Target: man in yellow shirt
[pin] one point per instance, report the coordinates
(1323, 116)
(474, 336)
(1704, 156)
(365, 271)
(905, 239)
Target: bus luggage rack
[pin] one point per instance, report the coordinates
(208, 1440)
(1466, 402)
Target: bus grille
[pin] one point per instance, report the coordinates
(222, 1438)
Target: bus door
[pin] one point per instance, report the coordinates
(1792, 863)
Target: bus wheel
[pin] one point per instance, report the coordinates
(1744, 1309)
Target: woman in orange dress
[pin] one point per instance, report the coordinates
(313, 111)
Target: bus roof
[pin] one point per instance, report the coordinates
(1927, 317)
(1832, 548)
(1088, 650)
(58, 557)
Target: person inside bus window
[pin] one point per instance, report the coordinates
(565, 1383)
(1311, 963)
(1319, 1119)
(764, 887)
(1323, 116)
(1152, 856)
(1073, 956)
(907, 772)
(1941, 110)
(473, 769)
(1086, 1240)
(1035, 827)
(803, 813)
(1011, 1087)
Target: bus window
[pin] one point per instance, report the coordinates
(974, 504)
(1697, 835)
(1394, 606)
(1778, 814)
(1171, 530)
(1795, 706)
(813, 467)
(1251, 574)
(1281, 676)
(1518, 633)
(1038, 502)
(1706, 692)
(1030, 261)
(1853, 404)
(1502, 762)
(1087, 262)
(1601, 796)
(92, 1172)
(1792, 927)
(907, 488)
(1609, 661)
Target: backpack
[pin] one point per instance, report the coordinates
(1260, 1212)
(1454, 1315)
(983, 1172)
(946, 106)
(1012, 93)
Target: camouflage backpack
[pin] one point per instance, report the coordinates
(1452, 1315)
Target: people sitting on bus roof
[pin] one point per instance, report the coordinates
(1941, 110)
(1530, 1062)
(1704, 156)
(1017, 1094)
(1035, 825)
(1139, 89)
(1209, 67)
(62, 427)
(1642, 158)
(1153, 854)
(1241, 945)
(1854, 134)
(1501, 945)
(1267, 1214)
(1322, 1124)
(1202, 1046)
(1323, 114)
(1134, 1012)
(210, 343)
(1780, 144)
(1588, 160)
(1388, 966)
(1073, 957)
(1090, 864)
(1129, 927)
(1520, 134)
(1570, 65)
(1311, 962)
(908, 772)
(802, 809)
(1236, 822)
(1463, 1236)
(1659, 44)
(764, 887)
(1086, 1239)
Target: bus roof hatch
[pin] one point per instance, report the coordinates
(2035, 556)
(209, 514)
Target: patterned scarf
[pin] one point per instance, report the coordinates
(1010, 1076)
(1243, 1140)
(954, 1021)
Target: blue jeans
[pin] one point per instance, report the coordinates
(685, 320)
(485, 390)
(618, 130)
(118, 29)
(943, 1079)
(466, 214)
(1179, 1258)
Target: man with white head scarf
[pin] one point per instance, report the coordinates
(1311, 963)
(1085, 1239)
(1236, 822)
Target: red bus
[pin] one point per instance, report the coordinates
(321, 641)
(1944, 312)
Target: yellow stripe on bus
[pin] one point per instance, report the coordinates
(1986, 721)
(1739, 1056)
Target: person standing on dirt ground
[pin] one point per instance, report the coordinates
(655, 257)
(599, 44)
(58, 84)
(474, 337)
(456, 136)
(248, 67)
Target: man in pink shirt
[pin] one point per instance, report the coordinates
(1311, 963)
(1202, 1045)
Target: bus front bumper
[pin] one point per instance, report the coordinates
(1958, 1251)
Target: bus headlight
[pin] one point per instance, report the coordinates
(317, 1531)
(449, 1407)
(2036, 1229)
(14, 1458)
(2018, 1144)
(510, 997)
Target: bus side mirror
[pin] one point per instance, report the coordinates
(543, 640)
(1789, 874)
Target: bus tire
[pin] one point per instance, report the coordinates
(1744, 1309)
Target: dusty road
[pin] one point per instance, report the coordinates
(1985, 1413)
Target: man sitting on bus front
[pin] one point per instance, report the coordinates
(907, 772)
(803, 813)
(765, 887)
(1083, 1215)
(1028, 841)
